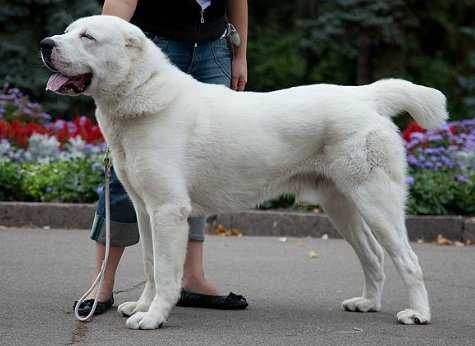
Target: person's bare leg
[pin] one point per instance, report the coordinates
(194, 279)
(115, 254)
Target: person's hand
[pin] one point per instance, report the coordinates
(239, 73)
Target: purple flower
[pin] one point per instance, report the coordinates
(58, 124)
(409, 181)
(428, 165)
(462, 179)
(417, 136)
(71, 126)
(7, 97)
(412, 160)
(434, 138)
(442, 148)
(83, 120)
(97, 167)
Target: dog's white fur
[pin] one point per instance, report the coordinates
(181, 148)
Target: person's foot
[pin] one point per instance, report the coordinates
(196, 300)
(104, 295)
(105, 300)
(199, 285)
(101, 307)
(200, 293)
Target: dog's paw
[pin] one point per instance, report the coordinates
(360, 304)
(410, 316)
(127, 309)
(145, 320)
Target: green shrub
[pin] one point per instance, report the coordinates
(69, 181)
(284, 201)
(432, 193)
(10, 181)
(441, 193)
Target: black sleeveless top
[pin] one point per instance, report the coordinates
(181, 20)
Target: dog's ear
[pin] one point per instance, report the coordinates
(133, 42)
(134, 38)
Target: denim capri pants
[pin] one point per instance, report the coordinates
(208, 62)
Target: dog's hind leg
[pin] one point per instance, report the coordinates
(169, 237)
(143, 303)
(347, 220)
(380, 200)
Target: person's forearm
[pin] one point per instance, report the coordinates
(121, 8)
(237, 15)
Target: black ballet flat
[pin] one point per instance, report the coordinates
(197, 300)
(86, 306)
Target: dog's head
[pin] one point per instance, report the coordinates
(94, 54)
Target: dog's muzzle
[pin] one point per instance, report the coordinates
(59, 82)
(46, 46)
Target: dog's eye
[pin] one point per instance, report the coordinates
(87, 36)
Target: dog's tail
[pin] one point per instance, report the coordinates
(426, 105)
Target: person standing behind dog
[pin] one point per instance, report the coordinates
(196, 37)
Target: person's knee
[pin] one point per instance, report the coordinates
(122, 233)
(197, 228)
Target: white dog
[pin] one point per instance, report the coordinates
(181, 148)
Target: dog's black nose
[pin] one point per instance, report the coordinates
(47, 44)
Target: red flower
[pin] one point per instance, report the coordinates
(19, 133)
(87, 131)
(411, 128)
(79, 127)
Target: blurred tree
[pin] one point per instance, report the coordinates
(441, 49)
(358, 30)
(291, 43)
(359, 41)
(23, 23)
(467, 82)
(275, 59)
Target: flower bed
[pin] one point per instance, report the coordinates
(60, 161)
(441, 169)
(45, 160)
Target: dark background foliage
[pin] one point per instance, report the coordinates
(290, 43)
(23, 23)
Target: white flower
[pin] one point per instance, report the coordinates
(5, 148)
(75, 148)
(42, 149)
(467, 159)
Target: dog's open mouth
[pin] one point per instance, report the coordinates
(62, 84)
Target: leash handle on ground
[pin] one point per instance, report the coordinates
(97, 284)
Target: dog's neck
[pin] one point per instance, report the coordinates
(154, 77)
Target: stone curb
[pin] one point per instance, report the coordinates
(469, 229)
(253, 222)
(54, 215)
(305, 224)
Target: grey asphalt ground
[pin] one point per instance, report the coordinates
(294, 299)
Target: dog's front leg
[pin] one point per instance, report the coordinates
(169, 236)
(143, 303)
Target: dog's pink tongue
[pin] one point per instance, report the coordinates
(56, 81)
